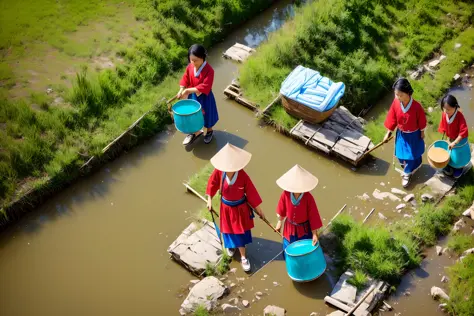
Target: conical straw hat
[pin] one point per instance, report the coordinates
(231, 159)
(297, 180)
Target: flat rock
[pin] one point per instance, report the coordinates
(434, 63)
(437, 293)
(444, 279)
(272, 310)
(458, 225)
(439, 250)
(409, 197)
(468, 252)
(398, 191)
(407, 216)
(385, 195)
(227, 308)
(343, 291)
(381, 216)
(205, 293)
(427, 197)
(442, 57)
(457, 45)
(456, 76)
(442, 307)
(245, 303)
(314, 314)
(364, 197)
(400, 206)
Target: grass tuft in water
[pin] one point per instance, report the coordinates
(460, 243)
(201, 311)
(359, 280)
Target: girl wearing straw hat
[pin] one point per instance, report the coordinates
(298, 206)
(408, 117)
(239, 198)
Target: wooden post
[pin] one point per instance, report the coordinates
(372, 288)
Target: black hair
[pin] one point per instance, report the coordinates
(450, 100)
(403, 85)
(197, 50)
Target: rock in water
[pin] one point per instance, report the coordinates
(272, 310)
(381, 216)
(444, 279)
(314, 314)
(245, 303)
(468, 252)
(227, 308)
(364, 197)
(205, 293)
(398, 191)
(384, 195)
(456, 76)
(437, 292)
(439, 250)
(427, 197)
(458, 225)
(442, 307)
(400, 206)
(409, 197)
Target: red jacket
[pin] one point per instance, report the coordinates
(413, 120)
(203, 82)
(458, 126)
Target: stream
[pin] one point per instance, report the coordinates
(99, 246)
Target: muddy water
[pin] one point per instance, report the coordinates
(99, 247)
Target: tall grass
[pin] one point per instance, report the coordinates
(460, 243)
(362, 43)
(461, 287)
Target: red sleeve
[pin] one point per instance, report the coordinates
(184, 82)
(421, 117)
(206, 85)
(281, 207)
(214, 183)
(253, 198)
(463, 129)
(443, 129)
(391, 119)
(315, 221)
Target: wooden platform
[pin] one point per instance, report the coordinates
(197, 246)
(238, 52)
(233, 92)
(341, 135)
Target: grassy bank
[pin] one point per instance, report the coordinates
(362, 43)
(430, 88)
(387, 251)
(47, 144)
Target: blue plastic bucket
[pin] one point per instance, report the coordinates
(187, 115)
(304, 262)
(460, 154)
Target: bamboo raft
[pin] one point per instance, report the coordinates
(238, 52)
(233, 92)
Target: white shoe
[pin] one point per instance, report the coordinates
(230, 252)
(245, 264)
(405, 180)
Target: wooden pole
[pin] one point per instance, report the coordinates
(126, 131)
(378, 145)
(372, 288)
(199, 196)
(368, 215)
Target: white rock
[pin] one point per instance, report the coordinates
(409, 197)
(457, 45)
(458, 225)
(407, 293)
(259, 293)
(381, 216)
(382, 184)
(400, 206)
(233, 270)
(257, 297)
(276, 283)
(398, 191)
(434, 63)
(407, 216)
(232, 285)
(430, 110)
(364, 197)
(195, 281)
(439, 250)
(427, 197)
(442, 307)
(444, 279)
(205, 293)
(456, 76)
(384, 195)
(245, 303)
(469, 212)
(314, 314)
(227, 308)
(442, 57)
(472, 233)
(436, 293)
(468, 252)
(234, 301)
(272, 310)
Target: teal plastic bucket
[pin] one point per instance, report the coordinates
(460, 155)
(304, 262)
(188, 116)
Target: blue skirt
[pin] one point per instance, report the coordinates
(237, 240)
(208, 103)
(409, 148)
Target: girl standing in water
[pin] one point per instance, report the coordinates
(454, 126)
(408, 116)
(298, 207)
(196, 84)
(238, 199)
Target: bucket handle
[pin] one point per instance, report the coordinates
(449, 150)
(169, 105)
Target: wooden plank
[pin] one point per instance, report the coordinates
(267, 108)
(238, 52)
(344, 307)
(348, 150)
(305, 130)
(326, 136)
(315, 144)
(336, 127)
(357, 138)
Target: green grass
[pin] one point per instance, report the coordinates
(198, 182)
(461, 287)
(429, 88)
(386, 252)
(362, 43)
(459, 243)
(359, 280)
(35, 144)
(201, 311)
